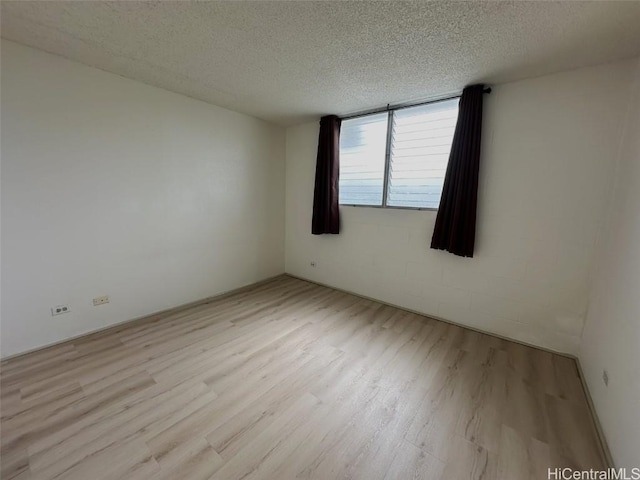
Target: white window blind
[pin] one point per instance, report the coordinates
(403, 168)
(421, 140)
(363, 143)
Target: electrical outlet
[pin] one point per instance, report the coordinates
(60, 309)
(100, 300)
(313, 264)
(605, 378)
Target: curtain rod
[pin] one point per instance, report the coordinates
(399, 106)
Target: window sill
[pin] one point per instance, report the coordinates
(389, 207)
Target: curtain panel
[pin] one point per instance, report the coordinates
(455, 228)
(326, 214)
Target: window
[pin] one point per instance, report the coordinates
(397, 158)
(363, 143)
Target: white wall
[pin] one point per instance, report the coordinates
(611, 338)
(112, 187)
(548, 156)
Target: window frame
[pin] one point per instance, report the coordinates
(387, 154)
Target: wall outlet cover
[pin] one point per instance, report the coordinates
(100, 300)
(60, 309)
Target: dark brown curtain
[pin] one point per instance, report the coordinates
(455, 229)
(326, 216)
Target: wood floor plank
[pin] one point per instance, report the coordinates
(413, 463)
(468, 461)
(288, 380)
(521, 457)
(262, 450)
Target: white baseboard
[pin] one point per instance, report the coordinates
(594, 415)
(603, 441)
(144, 317)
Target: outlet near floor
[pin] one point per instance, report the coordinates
(60, 309)
(100, 300)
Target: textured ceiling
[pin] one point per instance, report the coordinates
(287, 62)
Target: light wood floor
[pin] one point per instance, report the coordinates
(292, 380)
